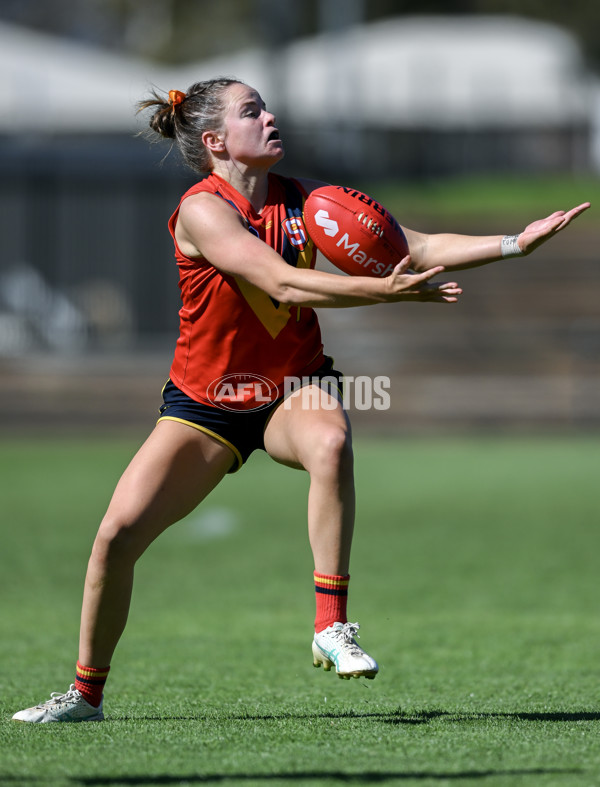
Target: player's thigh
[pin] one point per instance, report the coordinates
(169, 476)
(307, 426)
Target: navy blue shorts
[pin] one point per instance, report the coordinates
(240, 430)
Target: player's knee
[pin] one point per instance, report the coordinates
(115, 541)
(332, 451)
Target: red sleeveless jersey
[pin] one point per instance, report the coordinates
(229, 327)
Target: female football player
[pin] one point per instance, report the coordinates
(249, 290)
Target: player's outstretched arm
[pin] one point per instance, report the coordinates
(457, 252)
(405, 285)
(210, 228)
(317, 289)
(540, 231)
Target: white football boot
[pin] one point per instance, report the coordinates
(336, 646)
(61, 707)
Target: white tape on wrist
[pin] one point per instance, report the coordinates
(509, 246)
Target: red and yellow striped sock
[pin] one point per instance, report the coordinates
(332, 596)
(90, 682)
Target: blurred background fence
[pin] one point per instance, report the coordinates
(366, 94)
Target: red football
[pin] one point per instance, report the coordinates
(357, 234)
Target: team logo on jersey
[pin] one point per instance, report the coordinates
(242, 392)
(295, 232)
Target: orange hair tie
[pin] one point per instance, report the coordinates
(176, 97)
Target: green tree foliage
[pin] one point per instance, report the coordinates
(184, 30)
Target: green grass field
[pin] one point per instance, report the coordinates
(484, 198)
(475, 579)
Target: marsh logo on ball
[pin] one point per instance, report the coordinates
(242, 392)
(330, 226)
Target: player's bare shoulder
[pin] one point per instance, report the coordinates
(200, 216)
(205, 207)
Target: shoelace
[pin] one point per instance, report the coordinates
(56, 698)
(347, 634)
(349, 631)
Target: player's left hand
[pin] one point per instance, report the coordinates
(540, 231)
